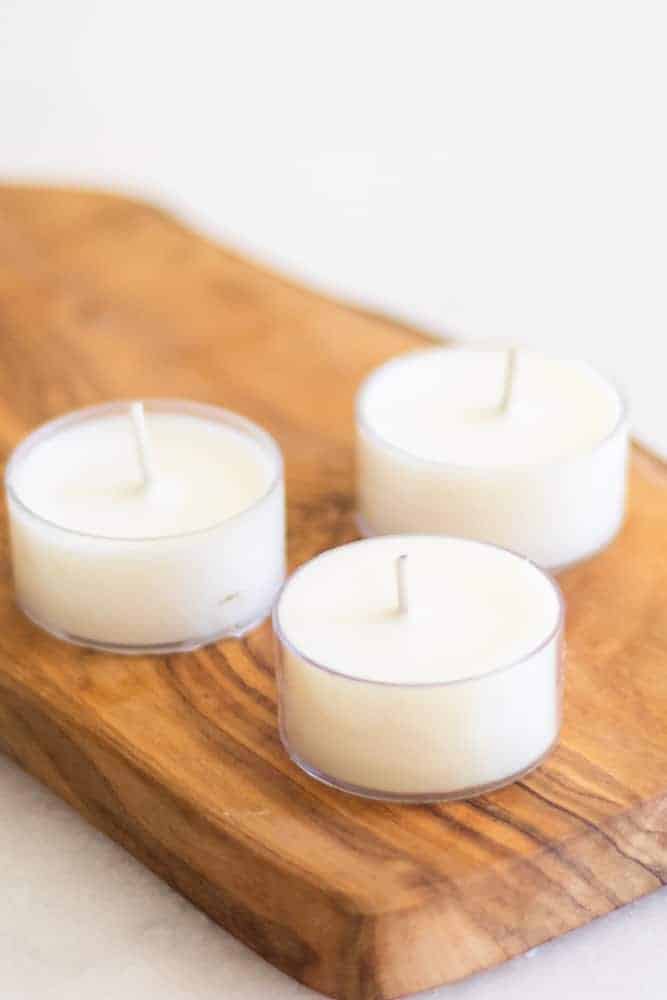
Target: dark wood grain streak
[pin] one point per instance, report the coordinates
(178, 758)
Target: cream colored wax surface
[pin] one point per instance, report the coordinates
(443, 405)
(462, 692)
(473, 608)
(545, 476)
(104, 559)
(87, 477)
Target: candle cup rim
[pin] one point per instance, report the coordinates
(363, 423)
(157, 403)
(554, 633)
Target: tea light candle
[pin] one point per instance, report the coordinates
(517, 449)
(147, 528)
(419, 667)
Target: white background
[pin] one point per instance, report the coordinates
(486, 169)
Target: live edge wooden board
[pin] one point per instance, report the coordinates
(178, 757)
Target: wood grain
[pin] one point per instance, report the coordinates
(178, 758)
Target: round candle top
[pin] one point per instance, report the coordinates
(444, 405)
(85, 475)
(471, 609)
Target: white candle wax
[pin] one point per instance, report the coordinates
(456, 692)
(108, 555)
(543, 475)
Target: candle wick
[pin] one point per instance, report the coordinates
(402, 584)
(142, 443)
(508, 385)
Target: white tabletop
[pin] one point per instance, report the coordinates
(492, 171)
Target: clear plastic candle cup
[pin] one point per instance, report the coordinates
(147, 528)
(419, 668)
(512, 448)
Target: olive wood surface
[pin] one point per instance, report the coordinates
(178, 757)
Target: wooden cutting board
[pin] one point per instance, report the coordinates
(178, 758)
